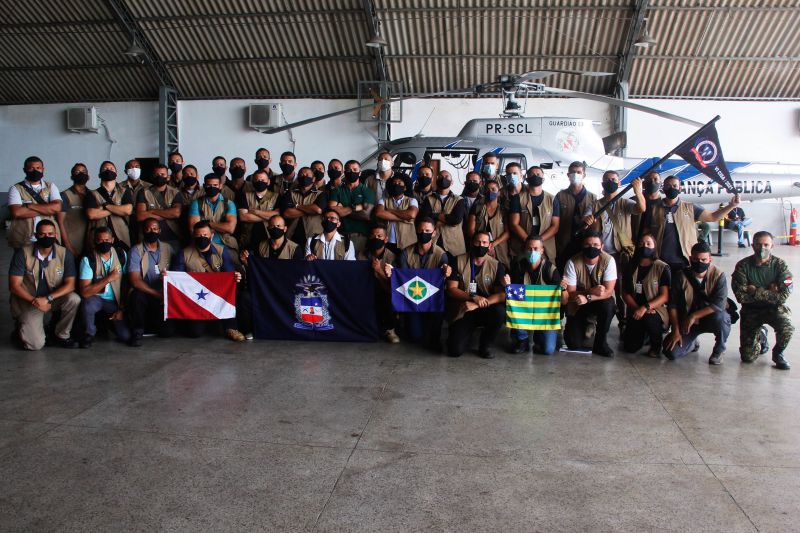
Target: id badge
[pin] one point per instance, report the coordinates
(535, 221)
(156, 270)
(473, 288)
(637, 288)
(670, 220)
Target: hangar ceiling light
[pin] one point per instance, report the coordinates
(645, 40)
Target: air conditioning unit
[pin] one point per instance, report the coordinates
(265, 116)
(82, 119)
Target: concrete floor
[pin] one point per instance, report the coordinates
(210, 435)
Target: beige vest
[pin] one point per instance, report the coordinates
(586, 281)
(164, 258)
(216, 215)
(117, 223)
(404, 232)
(452, 236)
(484, 280)
(21, 230)
(684, 224)
(650, 285)
(413, 258)
(312, 224)
(527, 280)
(545, 220)
(387, 259)
(620, 224)
(168, 197)
(195, 262)
(495, 225)
(568, 209)
(142, 185)
(75, 221)
(99, 273)
(339, 249)
(266, 203)
(288, 251)
(712, 277)
(53, 275)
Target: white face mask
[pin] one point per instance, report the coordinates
(513, 179)
(489, 169)
(384, 165)
(575, 178)
(133, 173)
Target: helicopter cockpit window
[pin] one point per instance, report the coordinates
(457, 162)
(505, 159)
(405, 162)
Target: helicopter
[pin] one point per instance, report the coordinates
(552, 143)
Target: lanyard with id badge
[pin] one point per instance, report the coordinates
(473, 285)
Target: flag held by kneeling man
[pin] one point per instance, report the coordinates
(418, 290)
(533, 307)
(199, 295)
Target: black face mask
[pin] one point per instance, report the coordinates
(329, 225)
(287, 168)
(535, 181)
(262, 163)
(305, 181)
(647, 253)
(699, 268)
(590, 252)
(334, 174)
(189, 181)
(374, 244)
(202, 242)
(108, 175)
(237, 173)
(159, 181)
(424, 238)
(260, 186)
(671, 192)
(218, 171)
(318, 175)
(479, 251)
(649, 186)
(211, 191)
(424, 181)
(275, 233)
(151, 236)
(45, 242)
(175, 167)
(80, 178)
(351, 176)
(610, 186)
(443, 183)
(395, 189)
(103, 247)
(471, 187)
(34, 175)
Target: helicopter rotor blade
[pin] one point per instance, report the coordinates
(621, 103)
(539, 74)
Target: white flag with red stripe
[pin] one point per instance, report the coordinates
(199, 295)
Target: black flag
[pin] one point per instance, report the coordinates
(703, 152)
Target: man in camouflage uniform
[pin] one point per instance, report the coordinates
(762, 283)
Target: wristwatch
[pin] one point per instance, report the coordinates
(588, 297)
(647, 306)
(49, 299)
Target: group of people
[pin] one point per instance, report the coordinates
(638, 260)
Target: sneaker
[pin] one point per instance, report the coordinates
(391, 337)
(780, 362)
(485, 353)
(135, 342)
(87, 341)
(248, 336)
(604, 350)
(715, 359)
(520, 346)
(763, 340)
(68, 343)
(234, 335)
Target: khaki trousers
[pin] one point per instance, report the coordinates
(31, 321)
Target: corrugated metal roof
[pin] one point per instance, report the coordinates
(71, 50)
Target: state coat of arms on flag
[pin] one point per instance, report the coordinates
(418, 290)
(311, 304)
(199, 295)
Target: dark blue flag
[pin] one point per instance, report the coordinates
(312, 300)
(418, 290)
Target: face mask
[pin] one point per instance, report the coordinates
(202, 242)
(443, 182)
(151, 236)
(575, 178)
(260, 186)
(512, 179)
(34, 175)
(395, 189)
(175, 167)
(133, 173)
(189, 181)
(535, 181)
(534, 256)
(218, 171)
(329, 225)
(424, 238)
(610, 186)
(211, 191)
(108, 175)
(671, 192)
(479, 251)
(375, 244)
(492, 195)
(306, 180)
(384, 165)
(275, 233)
(318, 175)
(471, 187)
(103, 247)
(648, 253)
(351, 176)
(159, 181)
(590, 252)
(287, 168)
(237, 173)
(649, 186)
(699, 268)
(45, 242)
(262, 163)
(334, 174)
(80, 178)
(424, 181)
(489, 169)
(763, 253)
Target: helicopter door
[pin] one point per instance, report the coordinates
(457, 162)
